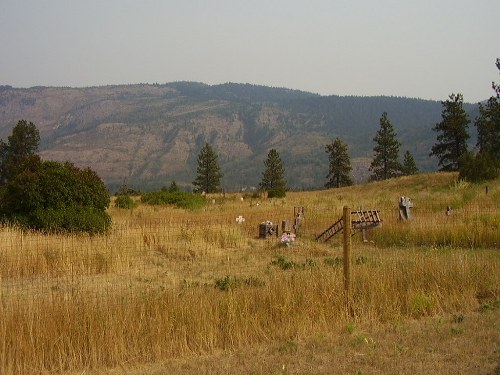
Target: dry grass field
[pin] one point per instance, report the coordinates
(170, 291)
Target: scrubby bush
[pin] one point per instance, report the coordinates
(178, 199)
(125, 201)
(53, 196)
(71, 219)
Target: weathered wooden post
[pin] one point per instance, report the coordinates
(363, 229)
(347, 257)
(298, 213)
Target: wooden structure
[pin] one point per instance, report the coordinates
(361, 219)
(347, 261)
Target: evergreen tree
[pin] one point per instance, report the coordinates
(173, 188)
(209, 174)
(452, 134)
(340, 164)
(385, 163)
(478, 167)
(485, 164)
(488, 123)
(273, 180)
(409, 166)
(21, 144)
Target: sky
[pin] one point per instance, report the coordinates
(419, 48)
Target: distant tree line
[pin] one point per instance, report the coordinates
(451, 147)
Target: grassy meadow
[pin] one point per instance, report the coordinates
(176, 291)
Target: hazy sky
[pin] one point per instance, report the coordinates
(418, 48)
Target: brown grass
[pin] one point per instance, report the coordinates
(182, 288)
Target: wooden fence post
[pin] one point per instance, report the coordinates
(347, 257)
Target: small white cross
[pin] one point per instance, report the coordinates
(240, 219)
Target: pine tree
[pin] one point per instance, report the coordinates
(485, 164)
(452, 134)
(385, 163)
(173, 187)
(208, 172)
(273, 180)
(488, 123)
(21, 144)
(340, 164)
(409, 166)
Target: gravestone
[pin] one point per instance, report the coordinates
(405, 205)
(286, 226)
(268, 229)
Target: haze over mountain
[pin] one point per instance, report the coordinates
(147, 135)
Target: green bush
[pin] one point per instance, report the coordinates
(53, 196)
(178, 199)
(125, 201)
(71, 219)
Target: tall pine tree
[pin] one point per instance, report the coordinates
(488, 123)
(208, 172)
(452, 134)
(385, 163)
(485, 165)
(273, 178)
(340, 164)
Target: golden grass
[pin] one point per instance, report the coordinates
(168, 283)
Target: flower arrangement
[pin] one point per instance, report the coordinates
(287, 239)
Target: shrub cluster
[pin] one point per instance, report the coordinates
(178, 199)
(53, 196)
(125, 201)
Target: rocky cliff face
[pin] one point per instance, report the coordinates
(149, 135)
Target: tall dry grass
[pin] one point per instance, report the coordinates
(167, 283)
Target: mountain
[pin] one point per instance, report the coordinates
(147, 135)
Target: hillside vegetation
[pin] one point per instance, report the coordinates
(149, 135)
(172, 290)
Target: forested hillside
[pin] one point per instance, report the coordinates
(148, 135)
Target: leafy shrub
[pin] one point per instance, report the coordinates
(178, 199)
(125, 201)
(53, 196)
